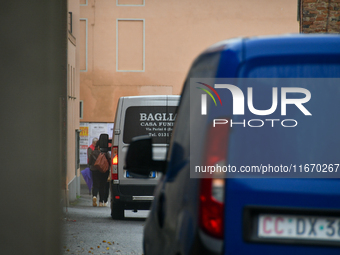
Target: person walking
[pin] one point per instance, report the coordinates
(99, 178)
(91, 148)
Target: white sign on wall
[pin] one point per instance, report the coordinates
(88, 132)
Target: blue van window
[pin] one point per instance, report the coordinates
(205, 66)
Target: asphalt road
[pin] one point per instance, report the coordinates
(91, 230)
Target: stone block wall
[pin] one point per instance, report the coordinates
(320, 16)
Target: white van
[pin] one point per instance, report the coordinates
(139, 116)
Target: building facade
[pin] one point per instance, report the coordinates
(146, 47)
(70, 143)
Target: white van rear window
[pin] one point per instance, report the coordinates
(154, 121)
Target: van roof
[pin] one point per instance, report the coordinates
(290, 49)
(285, 44)
(152, 97)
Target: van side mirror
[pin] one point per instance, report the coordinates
(104, 142)
(139, 160)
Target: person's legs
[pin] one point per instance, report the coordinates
(106, 187)
(96, 186)
(103, 189)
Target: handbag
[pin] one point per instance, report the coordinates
(101, 164)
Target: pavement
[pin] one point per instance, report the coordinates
(91, 230)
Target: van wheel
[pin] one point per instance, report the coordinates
(117, 211)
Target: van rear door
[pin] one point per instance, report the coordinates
(246, 199)
(146, 115)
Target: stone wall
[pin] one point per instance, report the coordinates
(320, 16)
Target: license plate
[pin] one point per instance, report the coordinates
(151, 175)
(298, 227)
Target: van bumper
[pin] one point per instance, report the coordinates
(137, 197)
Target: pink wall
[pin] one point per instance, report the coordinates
(175, 33)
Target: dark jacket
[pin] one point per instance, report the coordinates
(89, 151)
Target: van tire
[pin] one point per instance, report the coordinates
(117, 211)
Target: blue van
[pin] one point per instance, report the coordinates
(253, 163)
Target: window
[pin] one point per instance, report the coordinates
(81, 109)
(130, 45)
(130, 2)
(155, 121)
(69, 22)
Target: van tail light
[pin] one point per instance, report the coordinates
(115, 160)
(211, 211)
(114, 165)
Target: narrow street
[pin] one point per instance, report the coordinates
(91, 230)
